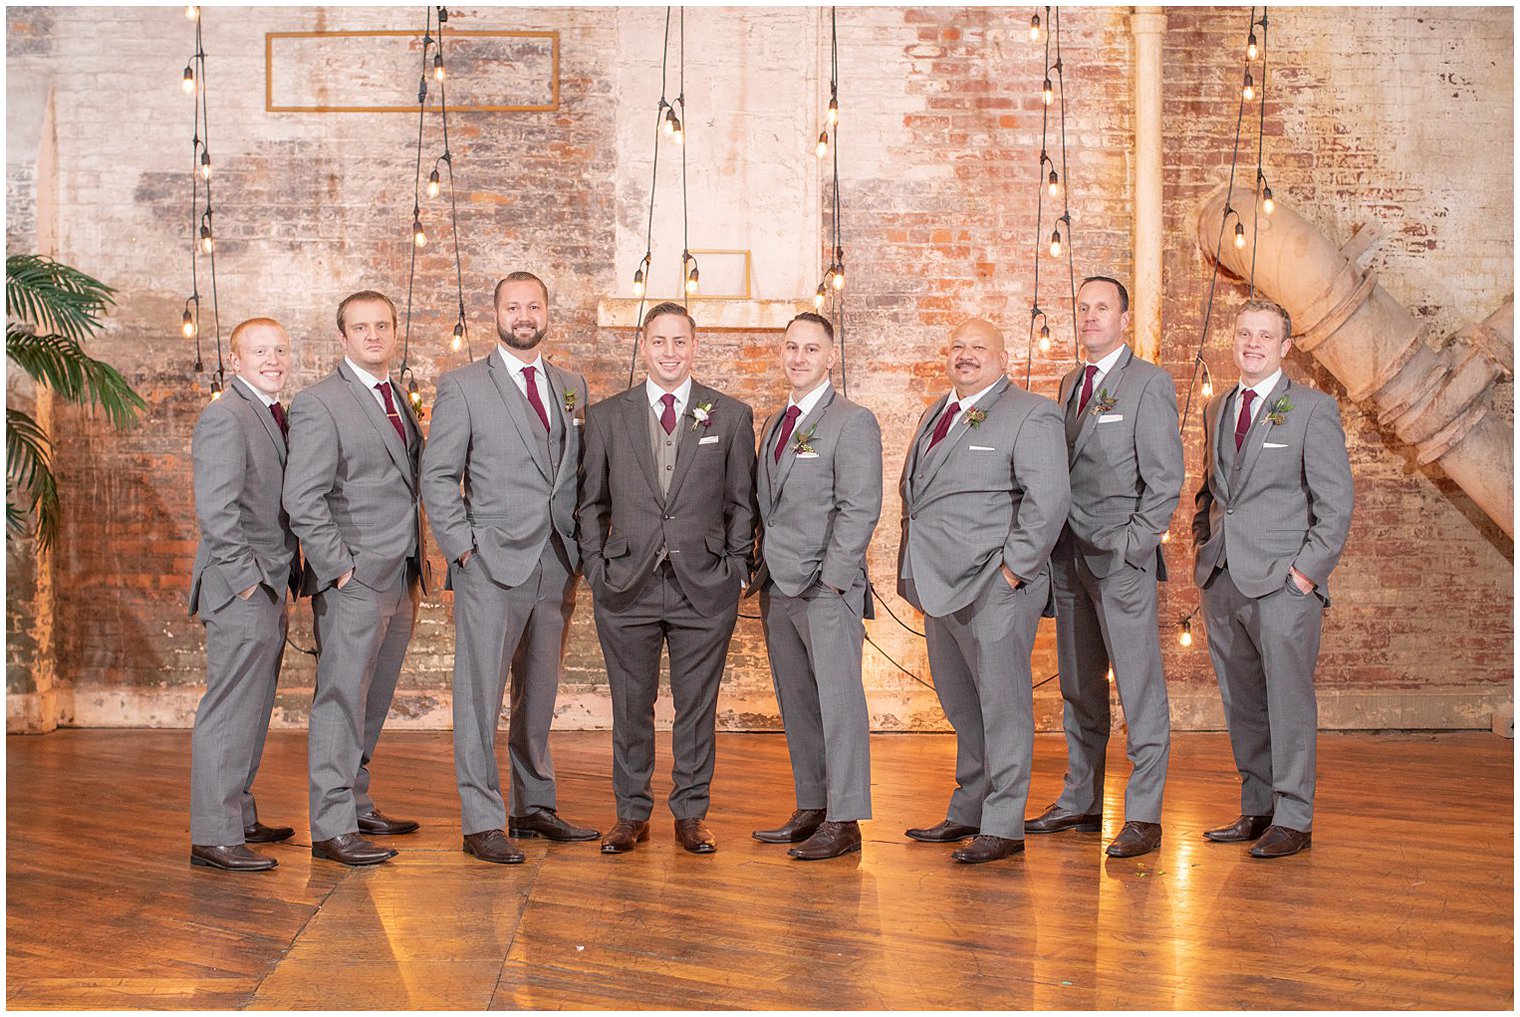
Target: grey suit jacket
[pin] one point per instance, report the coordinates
(351, 485)
(818, 509)
(1284, 502)
(239, 458)
(516, 489)
(1126, 467)
(706, 521)
(987, 496)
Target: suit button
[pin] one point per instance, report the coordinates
(1229, 512)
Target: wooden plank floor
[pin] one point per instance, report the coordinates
(1406, 899)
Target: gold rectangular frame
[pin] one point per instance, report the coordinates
(747, 270)
(269, 37)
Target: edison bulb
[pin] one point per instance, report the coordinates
(187, 83)
(1251, 48)
(187, 326)
(1186, 638)
(433, 184)
(819, 297)
(1267, 204)
(823, 144)
(638, 283)
(833, 112)
(1240, 235)
(1047, 92)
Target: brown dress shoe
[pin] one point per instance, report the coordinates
(376, 825)
(625, 834)
(830, 841)
(1055, 819)
(258, 833)
(945, 832)
(987, 848)
(492, 846)
(547, 823)
(1135, 839)
(351, 849)
(1243, 829)
(232, 857)
(803, 824)
(695, 836)
(1280, 842)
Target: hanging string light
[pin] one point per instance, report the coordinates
(831, 288)
(202, 241)
(1048, 183)
(433, 66)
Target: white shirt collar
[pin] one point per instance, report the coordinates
(1263, 388)
(516, 366)
(1107, 363)
(653, 392)
(265, 399)
(369, 380)
(972, 399)
(810, 401)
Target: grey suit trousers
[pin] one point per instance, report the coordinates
(245, 643)
(814, 641)
(979, 657)
(631, 641)
(507, 629)
(362, 635)
(1099, 622)
(1264, 649)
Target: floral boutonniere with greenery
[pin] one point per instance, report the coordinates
(570, 401)
(1102, 402)
(1277, 413)
(974, 417)
(701, 415)
(804, 442)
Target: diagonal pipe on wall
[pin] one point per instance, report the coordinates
(1436, 400)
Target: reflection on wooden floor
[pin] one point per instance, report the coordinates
(1405, 900)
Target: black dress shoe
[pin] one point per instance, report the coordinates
(232, 857)
(624, 835)
(803, 824)
(1055, 819)
(987, 848)
(1243, 829)
(830, 841)
(351, 849)
(492, 846)
(1135, 839)
(695, 836)
(376, 825)
(547, 823)
(258, 833)
(1280, 842)
(945, 832)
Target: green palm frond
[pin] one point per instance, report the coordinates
(54, 297)
(29, 474)
(62, 364)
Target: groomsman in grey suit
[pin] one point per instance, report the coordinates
(246, 562)
(507, 428)
(1125, 453)
(667, 527)
(1273, 512)
(985, 492)
(351, 491)
(819, 492)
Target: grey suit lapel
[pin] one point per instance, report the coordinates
(765, 473)
(1217, 462)
(1256, 438)
(690, 434)
(1110, 383)
(559, 384)
(915, 447)
(941, 452)
(370, 408)
(637, 420)
(529, 429)
(788, 455)
(265, 416)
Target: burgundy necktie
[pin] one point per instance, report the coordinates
(384, 388)
(668, 415)
(279, 418)
(943, 427)
(1092, 372)
(534, 399)
(792, 413)
(1243, 425)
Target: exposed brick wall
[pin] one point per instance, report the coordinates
(940, 138)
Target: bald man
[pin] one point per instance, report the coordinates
(985, 492)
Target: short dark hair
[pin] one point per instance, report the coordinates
(816, 319)
(512, 277)
(364, 295)
(1271, 306)
(1123, 293)
(668, 307)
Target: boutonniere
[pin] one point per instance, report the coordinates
(1278, 411)
(570, 401)
(974, 417)
(1102, 402)
(804, 442)
(701, 415)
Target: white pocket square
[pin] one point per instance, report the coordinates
(983, 448)
(711, 439)
(1272, 444)
(807, 455)
(1110, 418)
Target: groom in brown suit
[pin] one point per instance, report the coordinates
(667, 527)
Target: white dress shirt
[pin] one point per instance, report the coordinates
(655, 393)
(267, 400)
(1104, 366)
(370, 381)
(1262, 389)
(515, 367)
